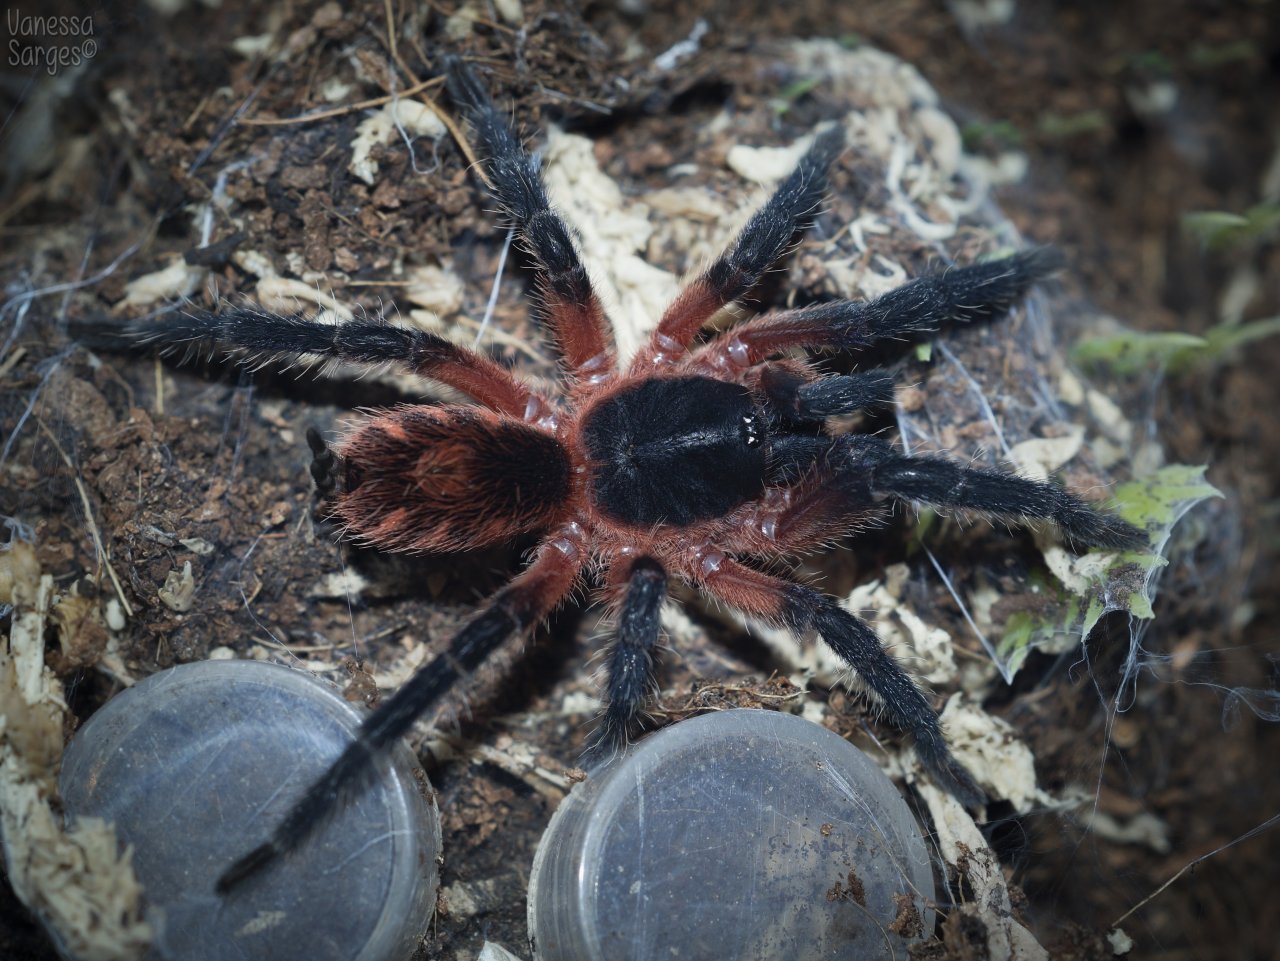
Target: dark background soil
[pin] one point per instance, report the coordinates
(172, 453)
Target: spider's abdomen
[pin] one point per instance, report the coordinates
(449, 478)
(674, 450)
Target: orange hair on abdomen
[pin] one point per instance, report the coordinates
(449, 478)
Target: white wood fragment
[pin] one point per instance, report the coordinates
(412, 116)
(173, 282)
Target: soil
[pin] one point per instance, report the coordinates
(204, 463)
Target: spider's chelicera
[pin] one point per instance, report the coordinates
(700, 461)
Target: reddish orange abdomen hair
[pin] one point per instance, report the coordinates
(449, 478)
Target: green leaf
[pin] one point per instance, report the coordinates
(792, 92)
(1213, 56)
(1158, 500)
(1064, 126)
(1048, 614)
(995, 134)
(1219, 229)
(1221, 340)
(1132, 351)
(1214, 228)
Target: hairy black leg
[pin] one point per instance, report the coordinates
(792, 208)
(324, 465)
(513, 610)
(574, 310)
(271, 336)
(802, 609)
(630, 665)
(874, 468)
(857, 645)
(958, 295)
(800, 400)
(792, 456)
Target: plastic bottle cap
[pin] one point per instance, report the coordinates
(741, 834)
(196, 765)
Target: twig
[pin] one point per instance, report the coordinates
(88, 513)
(446, 118)
(464, 14)
(341, 111)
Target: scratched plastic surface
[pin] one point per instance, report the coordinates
(196, 764)
(737, 835)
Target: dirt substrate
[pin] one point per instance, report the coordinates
(131, 162)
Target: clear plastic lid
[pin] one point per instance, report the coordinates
(197, 764)
(738, 835)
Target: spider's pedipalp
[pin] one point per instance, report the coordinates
(273, 336)
(630, 665)
(573, 309)
(873, 467)
(813, 400)
(792, 207)
(921, 306)
(513, 610)
(324, 465)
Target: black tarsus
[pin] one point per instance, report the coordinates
(858, 646)
(516, 185)
(958, 295)
(508, 612)
(271, 335)
(873, 467)
(630, 667)
(833, 396)
(792, 208)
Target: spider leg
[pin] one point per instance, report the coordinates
(872, 468)
(761, 243)
(574, 311)
(631, 666)
(799, 399)
(325, 466)
(515, 609)
(268, 335)
(802, 609)
(798, 518)
(922, 306)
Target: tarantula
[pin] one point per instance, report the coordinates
(702, 461)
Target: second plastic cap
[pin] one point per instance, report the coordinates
(741, 834)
